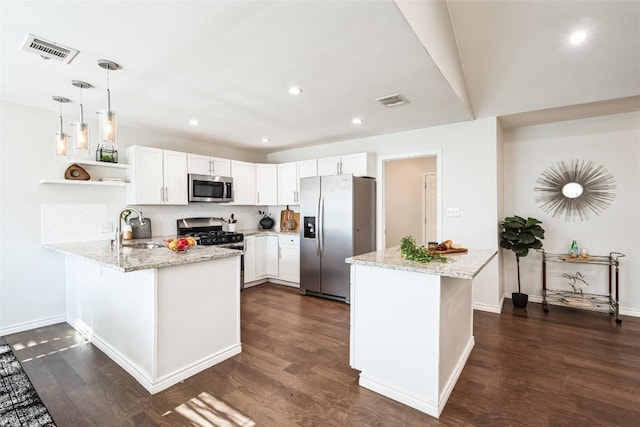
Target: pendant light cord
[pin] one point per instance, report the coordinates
(81, 108)
(108, 93)
(61, 132)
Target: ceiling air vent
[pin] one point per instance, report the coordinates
(392, 100)
(47, 49)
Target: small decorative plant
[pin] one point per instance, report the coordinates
(265, 214)
(520, 235)
(413, 252)
(232, 220)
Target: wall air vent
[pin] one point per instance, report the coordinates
(392, 100)
(47, 49)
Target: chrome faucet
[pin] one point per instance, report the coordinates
(119, 226)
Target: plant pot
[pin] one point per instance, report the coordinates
(519, 300)
(266, 223)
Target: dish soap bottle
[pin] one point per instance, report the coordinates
(574, 250)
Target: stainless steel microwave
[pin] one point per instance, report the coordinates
(208, 188)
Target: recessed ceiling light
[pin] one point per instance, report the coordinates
(357, 121)
(295, 90)
(265, 140)
(578, 37)
(194, 122)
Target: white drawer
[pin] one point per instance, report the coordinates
(289, 239)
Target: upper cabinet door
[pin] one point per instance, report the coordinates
(198, 164)
(244, 182)
(329, 166)
(288, 183)
(359, 164)
(205, 165)
(267, 184)
(221, 167)
(147, 181)
(307, 168)
(175, 178)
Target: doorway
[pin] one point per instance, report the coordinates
(410, 198)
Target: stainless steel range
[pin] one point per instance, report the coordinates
(208, 231)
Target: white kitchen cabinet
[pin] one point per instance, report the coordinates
(266, 184)
(250, 259)
(329, 166)
(158, 177)
(289, 175)
(288, 184)
(244, 182)
(307, 168)
(289, 262)
(359, 164)
(205, 165)
(266, 256)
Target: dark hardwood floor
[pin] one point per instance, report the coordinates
(528, 368)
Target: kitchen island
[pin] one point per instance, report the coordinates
(412, 324)
(162, 316)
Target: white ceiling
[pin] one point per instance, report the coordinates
(229, 64)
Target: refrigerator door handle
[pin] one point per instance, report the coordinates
(318, 228)
(321, 222)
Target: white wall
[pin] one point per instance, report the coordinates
(32, 278)
(611, 141)
(469, 182)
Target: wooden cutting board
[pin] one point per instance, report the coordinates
(450, 251)
(289, 214)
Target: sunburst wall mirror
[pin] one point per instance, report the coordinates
(576, 189)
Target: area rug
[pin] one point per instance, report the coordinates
(20, 405)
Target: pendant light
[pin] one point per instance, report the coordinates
(107, 122)
(80, 128)
(61, 137)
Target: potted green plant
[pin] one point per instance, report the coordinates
(519, 235)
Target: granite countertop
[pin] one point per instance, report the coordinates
(133, 259)
(464, 265)
(273, 231)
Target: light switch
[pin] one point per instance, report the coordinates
(106, 227)
(453, 211)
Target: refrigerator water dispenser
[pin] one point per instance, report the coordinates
(310, 227)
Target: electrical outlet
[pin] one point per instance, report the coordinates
(106, 227)
(453, 211)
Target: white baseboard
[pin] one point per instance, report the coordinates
(284, 283)
(487, 307)
(151, 385)
(26, 326)
(419, 402)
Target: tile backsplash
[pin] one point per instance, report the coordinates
(84, 222)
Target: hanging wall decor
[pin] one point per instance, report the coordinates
(575, 188)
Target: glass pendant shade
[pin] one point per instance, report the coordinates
(61, 144)
(80, 133)
(80, 136)
(61, 137)
(107, 127)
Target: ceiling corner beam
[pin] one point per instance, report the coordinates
(431, 22)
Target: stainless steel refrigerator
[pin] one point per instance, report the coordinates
(338, 215)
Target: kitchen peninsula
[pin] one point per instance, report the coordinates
(412, 324)
(162, 316)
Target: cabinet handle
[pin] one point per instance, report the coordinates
(162, 194)
(295, 196)
(211, 167)
(338, 168)
(258, 197)
(166, 194)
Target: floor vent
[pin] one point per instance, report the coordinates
(392, 100)
(47, 49)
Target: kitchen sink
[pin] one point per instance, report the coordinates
(142, 245)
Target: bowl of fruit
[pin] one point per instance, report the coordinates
(180, 244)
